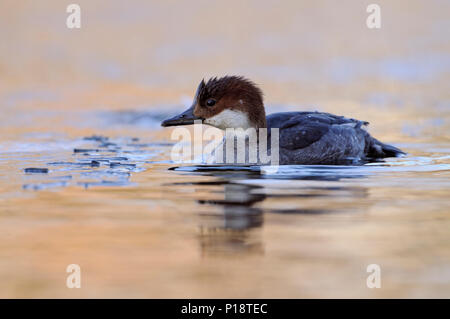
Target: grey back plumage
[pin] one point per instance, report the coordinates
(324, 138)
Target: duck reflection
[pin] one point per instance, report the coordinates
(236, 229)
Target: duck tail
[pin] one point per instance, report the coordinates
(377, 149)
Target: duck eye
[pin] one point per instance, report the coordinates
(210, 102)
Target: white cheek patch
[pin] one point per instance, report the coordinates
(229, 119)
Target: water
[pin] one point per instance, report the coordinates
(140, 225)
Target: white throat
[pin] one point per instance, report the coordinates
(229, 119)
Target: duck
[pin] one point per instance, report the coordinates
(305, 137)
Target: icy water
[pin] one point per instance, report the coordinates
(83, 109)
(141, 226)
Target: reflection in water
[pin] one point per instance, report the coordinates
(236, 195)
(233, 231)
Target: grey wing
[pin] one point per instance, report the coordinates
(301, 129)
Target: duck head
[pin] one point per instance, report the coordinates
(227, 102)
